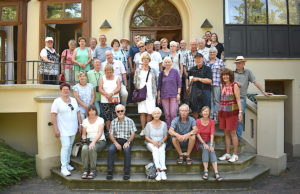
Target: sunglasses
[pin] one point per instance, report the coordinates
(118, 111)
(70, 105)
(141, 46)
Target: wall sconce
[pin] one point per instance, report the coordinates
(105, 25)
(206, 24)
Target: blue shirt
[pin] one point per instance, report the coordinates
(133, 50)
(183, 127)
(99, 53)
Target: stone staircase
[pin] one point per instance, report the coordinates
(241, 174)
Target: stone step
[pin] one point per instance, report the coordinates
(175, 182)
(131, 108)
(138, 165)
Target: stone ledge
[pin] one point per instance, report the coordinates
(271, 98)
(251, 106)
(48, 98)
(29, 86)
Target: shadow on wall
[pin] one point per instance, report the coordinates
(19, 130)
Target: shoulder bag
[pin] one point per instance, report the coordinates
(140, 95)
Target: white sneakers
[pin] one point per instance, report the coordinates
(158, 176)
(225, 157)
(70, 168)
(142, 133)
(161, 176)
(65, 172)
(231, 158)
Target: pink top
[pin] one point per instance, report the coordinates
(68, 54)
(206, 131)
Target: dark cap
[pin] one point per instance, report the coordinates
(198, 55)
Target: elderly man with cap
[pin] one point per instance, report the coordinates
(243, 76)
(49, 68)
(199, 79)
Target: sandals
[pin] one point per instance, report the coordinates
(92, 175)
(218, 177)
(180, 159)
(205, 175)
(85, 174)
(188, 160)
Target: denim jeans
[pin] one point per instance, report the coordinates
(215, 100)
(99, 108)
(89, 156)
(66, 148)
(111, 156)
(240, 127)
(170, 106)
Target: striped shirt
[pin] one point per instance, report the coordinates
(122, 129)
(216, 68)
(188, 61)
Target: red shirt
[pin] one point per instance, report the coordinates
(206, 131)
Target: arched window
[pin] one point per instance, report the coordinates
(155, 13)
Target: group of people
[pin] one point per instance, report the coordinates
(196, 78)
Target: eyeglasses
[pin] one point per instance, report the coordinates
(70, 105)
(141, 46)
(118, 111)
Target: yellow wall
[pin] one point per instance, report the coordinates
(19, 131)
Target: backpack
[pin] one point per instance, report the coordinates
(150, 170)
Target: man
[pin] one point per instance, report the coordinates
(157, 45)
(182, 48)
(93, 77)
(188, 61)
(243, 76)
(182, 52)
(93, 44)
(119, 70)
(121, 133)
(183, 131)
(132, 51)
(99, 52)
(200, 79)
(203, 50)
(124, 49)
(156, 60)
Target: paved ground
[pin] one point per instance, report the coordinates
(287, 182)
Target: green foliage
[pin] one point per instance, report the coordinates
(14, 166)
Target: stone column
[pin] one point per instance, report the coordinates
(270, 132)
(48, 146)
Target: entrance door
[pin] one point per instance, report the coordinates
(156, 19)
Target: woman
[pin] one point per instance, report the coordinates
(164, 48)
(216, 66)
(177, 59)
(156, 134)
(82, 57)
(84, 94)
(168, 91)
(207, 37)
(146, 107)
(137, 57)
(65, 117)
(205, 135)
(219, 46)
(109, 87)
(230, 113)
(93, 134)
(67, 63)
(118, 53)
(49, 68)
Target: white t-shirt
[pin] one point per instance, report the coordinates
(119, 68)
(92, 129)
(67, 121)
(155, 61)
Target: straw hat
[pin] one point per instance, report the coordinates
(239, 59)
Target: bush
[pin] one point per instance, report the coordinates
(14, 165)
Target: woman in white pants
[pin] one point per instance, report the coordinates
(156, 134)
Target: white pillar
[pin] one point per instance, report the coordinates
(270, 132)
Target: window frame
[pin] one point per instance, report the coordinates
(63, 20)
(10, 22)
(269, 27)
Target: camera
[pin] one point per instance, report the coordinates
(86, 141)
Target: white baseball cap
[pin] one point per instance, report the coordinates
(48, 39)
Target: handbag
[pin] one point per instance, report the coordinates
(75, 149)
(150, 170)
(140, 95)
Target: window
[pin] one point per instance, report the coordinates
(8, 13)
(64, 10)
(262, 28)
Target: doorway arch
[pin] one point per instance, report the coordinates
(156, 19)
